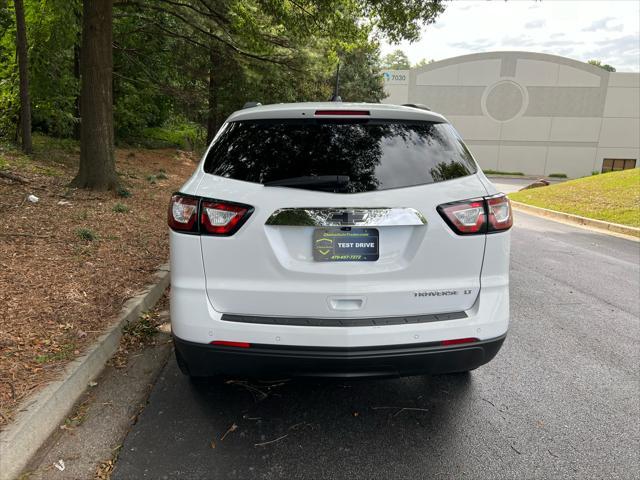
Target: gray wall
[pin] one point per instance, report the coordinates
(530, 112)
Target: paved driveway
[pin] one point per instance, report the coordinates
(561, 400)
(510, 185)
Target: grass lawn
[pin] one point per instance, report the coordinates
(612, 197)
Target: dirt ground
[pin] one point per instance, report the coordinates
(69, 261)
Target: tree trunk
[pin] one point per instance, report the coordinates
(76, 75)
(212, 111)
(23, 69)
(97, 160)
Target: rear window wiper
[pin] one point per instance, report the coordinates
(310, 180)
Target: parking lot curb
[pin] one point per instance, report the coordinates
(600, 225)
(40, 415)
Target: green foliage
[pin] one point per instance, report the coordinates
(120, 208)
(123, 192)
(181, 67)
(44, 144)
(558, 175)
(360, 78)
(53, 31)
(423, 63)
(612, 197)
(604, 66)
(64, 352)
(183, 134)
(141, 331)
(488, 171)
(399, 19)
(396, 60)
(86, 234)
(9, 102)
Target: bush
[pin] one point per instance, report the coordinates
(123, 192)
(178, 133)
(557, 175)
(86, 234)
(120, 208)
(136, 108)
(488, 171)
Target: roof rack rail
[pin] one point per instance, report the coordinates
(251, 105)
(416, 105)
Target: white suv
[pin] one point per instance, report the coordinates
(338, 239)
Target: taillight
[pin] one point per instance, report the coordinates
(205, 216)
(465, 217)
(479, 215)
(183, 213)
(500, 218)
(220, 218)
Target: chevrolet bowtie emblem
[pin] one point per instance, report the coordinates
(348, 217)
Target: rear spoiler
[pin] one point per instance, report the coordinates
(416, 105)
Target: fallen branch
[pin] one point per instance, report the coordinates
(258, 395)
(489, 402)
(13, 177)
(401, 409)
(270, 441)
(232, 428)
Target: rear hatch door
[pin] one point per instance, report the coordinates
(344, 222)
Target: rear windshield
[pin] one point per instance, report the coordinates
(369, 154)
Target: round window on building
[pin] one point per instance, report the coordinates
(504, 101)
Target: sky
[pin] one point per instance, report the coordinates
(580, 29)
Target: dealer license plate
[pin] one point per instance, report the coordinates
(345, 244)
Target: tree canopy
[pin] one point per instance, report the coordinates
(187, 64)
(604, 66)
(396, 60)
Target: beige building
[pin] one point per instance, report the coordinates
(530, 112)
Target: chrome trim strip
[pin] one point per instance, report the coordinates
(344, 217)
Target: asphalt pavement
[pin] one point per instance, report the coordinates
(510, 185)
(561, 399)
(513, 184)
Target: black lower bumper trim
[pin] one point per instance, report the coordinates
(342, 322)
(199, 359)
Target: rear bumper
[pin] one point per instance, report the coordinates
(388, 361)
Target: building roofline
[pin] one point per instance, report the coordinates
(499, 54)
